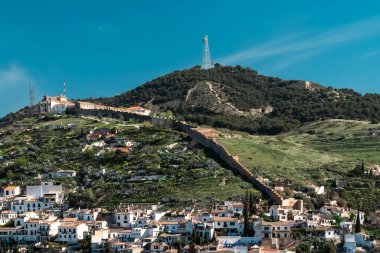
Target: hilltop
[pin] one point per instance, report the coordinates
(240, 99)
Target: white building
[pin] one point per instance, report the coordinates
(280, 213)
(71, 232)
(82, 214)
(11, 191)
(138, 110)
(46, 188)
(6, 216)
(349, 243)
(57, 104)
(40, 229)
(17, 204)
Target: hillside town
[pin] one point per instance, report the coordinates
(37, 216)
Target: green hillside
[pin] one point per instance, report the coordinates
(320, 153)
(184, 172)
(332, 146)
(240, 99)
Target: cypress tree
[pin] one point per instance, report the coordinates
(245, 215)
(197, 238)
(357, 224)
(251, 204)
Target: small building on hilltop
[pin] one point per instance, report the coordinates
(56, 104)
(138, 110)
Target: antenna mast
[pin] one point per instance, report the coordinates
(206, 63)
(64, 88)
(31, 94)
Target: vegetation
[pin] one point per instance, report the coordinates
(322, 153)
(293, 104)
(184, 172)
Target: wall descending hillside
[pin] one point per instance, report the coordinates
(201, 137)
(124, 115)
(233, 162)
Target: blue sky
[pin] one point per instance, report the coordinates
(102, 48)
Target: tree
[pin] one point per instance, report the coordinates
(252, 204)
(304, 247)
(10, 174)
(329, 247)
(213, 240)
(197, 239)
(245, 215)
(86, 244)
(206, 239)
(107, 247)
(357, 224)
(192, 248)
(21, 162)
(320, 201)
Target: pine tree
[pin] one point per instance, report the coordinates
(357, 224)
(363, 168)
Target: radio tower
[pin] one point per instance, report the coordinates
(64, 88)
(207, 63)
(31, 94)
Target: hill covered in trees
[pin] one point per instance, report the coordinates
(239, 98)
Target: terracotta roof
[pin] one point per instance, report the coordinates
(169, 222)
(224, 219)
(9, 188)
(69, 219)
(69, 224)
(120, 230)
(277, 223)
(135, 108)
(123, 149)
(324, 228)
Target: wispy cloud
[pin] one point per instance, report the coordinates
(104, 28)
(14, 81)
(371, 54)
(13, 76)
(305, 42)
(290, 60)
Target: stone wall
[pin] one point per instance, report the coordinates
(124, 115)
(233, 162)
(211, 143)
